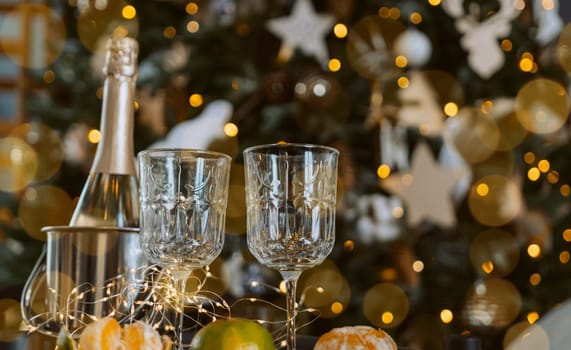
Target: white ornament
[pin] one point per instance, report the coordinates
(199, 132)
(485, 55)
(426, 190)
(549, 23)
(377, 221)
(303, 29)
(415, 46)
(419, 106)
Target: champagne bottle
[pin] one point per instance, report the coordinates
(110, 195)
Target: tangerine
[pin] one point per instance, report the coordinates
(232, 334)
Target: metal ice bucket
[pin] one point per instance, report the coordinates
(89, 272)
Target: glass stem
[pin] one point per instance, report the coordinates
(180, 278)
(291, 278)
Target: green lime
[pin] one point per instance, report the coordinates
(232, 334)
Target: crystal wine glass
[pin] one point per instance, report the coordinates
(291, 198)
(183, 200)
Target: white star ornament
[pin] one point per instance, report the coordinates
(303, 29)
(427, 189)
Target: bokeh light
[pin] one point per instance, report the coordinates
(321, 284)
(195, 100)
(446, 316)
(385, 298)
(340, 30)
(192, 26)
(129, 12)
(564, 48)
(532, 317)
(542, 106)
(497, 248)
(383, 171)
(191, 8)
(491, 304)
(501, 205)
(369, 41)
(230, 129)
(534, 250)
(471, 127)
(44, 205)
(96, 25)
(515, 331)
(94, 136)
(46, 48)
(334, 65)
(564, 257)
(18, 164)
(501, 111)
(47, 145)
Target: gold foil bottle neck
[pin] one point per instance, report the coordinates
(121, 57)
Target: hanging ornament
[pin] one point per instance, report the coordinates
(303, 29)
(415, 46)
(378, 218)
(480, 39)
(491, 305)
(549, 22)
(426, 190)
(420, 106)
(450, 158)
(200, 131)
(369, 45)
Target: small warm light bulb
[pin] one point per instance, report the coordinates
(533, 174)
(401, 61)
(532, 317)
(482, 189)
(349, 245)
(387, 317)
(94, 136)
(547, 5)
(553, 177)
(230, 129)
(506, 45)
(283, 287)
(128, 12)
(195, 100)
(434, 2)
(192, 26)
(488, 267)
(418, 266)
(384, 12)
(543, 165)
(567, 235)
(340, 30)
(394, 13)
(169, 32)
(525, 64)
(534, 279)
(334, 65)
(403, 82)
(337, 307)
(534, 250)
(529, 157)
(415, 18)
(191, 8)
(451, 109)
(446, 316)
(565, 190)
(383, 171)
(564, 257)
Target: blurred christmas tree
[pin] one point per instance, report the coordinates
(451, 119)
